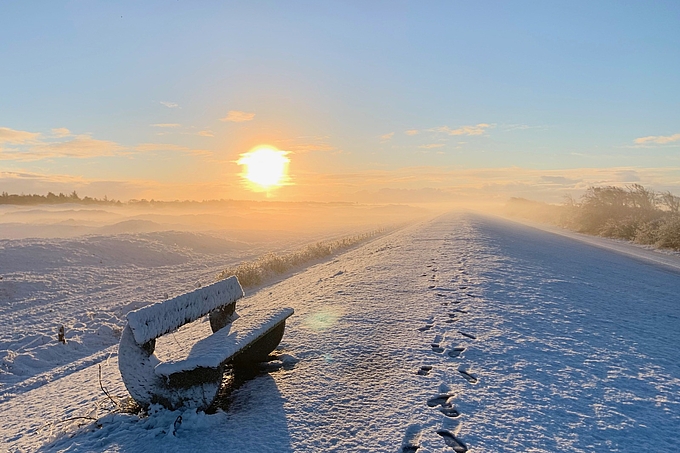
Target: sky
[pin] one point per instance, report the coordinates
(371, 101)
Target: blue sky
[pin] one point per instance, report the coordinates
(483, 99)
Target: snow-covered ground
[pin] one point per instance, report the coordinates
(459, 330)
(84, 267)
(88, 284)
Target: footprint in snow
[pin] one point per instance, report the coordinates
(465, 334)
(455, 352)
(468, 377)
(435, 344)
(411, 442)
(449, 411)
(452, 441)
(440, 399)
(425, 327)
(424, 370)
(445, 403)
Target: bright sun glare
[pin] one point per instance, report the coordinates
(265, 167)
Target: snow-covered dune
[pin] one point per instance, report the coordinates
(460, 331)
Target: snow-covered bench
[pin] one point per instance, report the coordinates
(195, 380)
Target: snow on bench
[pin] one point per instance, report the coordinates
(151, 322)
(226, 343)
(195, 380)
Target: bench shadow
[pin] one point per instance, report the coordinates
(249, 415)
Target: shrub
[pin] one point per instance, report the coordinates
(625, 228)
(669, 233)
(648, 232)
(255, 273)
(632, 213)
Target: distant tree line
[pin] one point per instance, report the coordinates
(634, 213)
(73, 197)
(51, 198)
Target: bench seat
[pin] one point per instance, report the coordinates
(228, 342)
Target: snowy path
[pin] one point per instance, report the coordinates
(536, 342)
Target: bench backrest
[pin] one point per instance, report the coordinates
(158, 319)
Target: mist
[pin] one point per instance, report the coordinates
(243, 220)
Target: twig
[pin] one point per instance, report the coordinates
(78, 418)
(173, 337)
(103, 389)
(52, 424)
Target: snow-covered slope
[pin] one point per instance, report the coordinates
(461, 330)
(89, 284)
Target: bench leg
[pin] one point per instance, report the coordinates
(221, 316)
(259, 350)
(137, 363)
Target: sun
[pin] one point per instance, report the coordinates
(265, 167)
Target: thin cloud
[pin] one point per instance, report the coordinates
(478, 129)
(167, 125)
(657, 139)
(170, 105)
(520, 127)
(386, 137)
(628, 176)
(151, 147)
(236, 116)
(205, 133)
(80, 147)
(559, 180)
(431, 146)
(61, 132)
(14, 136)
(310, 147)
(412, 132)
(306, 144)
(28, 148)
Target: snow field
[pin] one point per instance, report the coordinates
(89, 284)
(461, 332)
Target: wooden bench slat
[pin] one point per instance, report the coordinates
(158, 319)
(224, 344)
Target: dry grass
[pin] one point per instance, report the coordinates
(254, 273)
